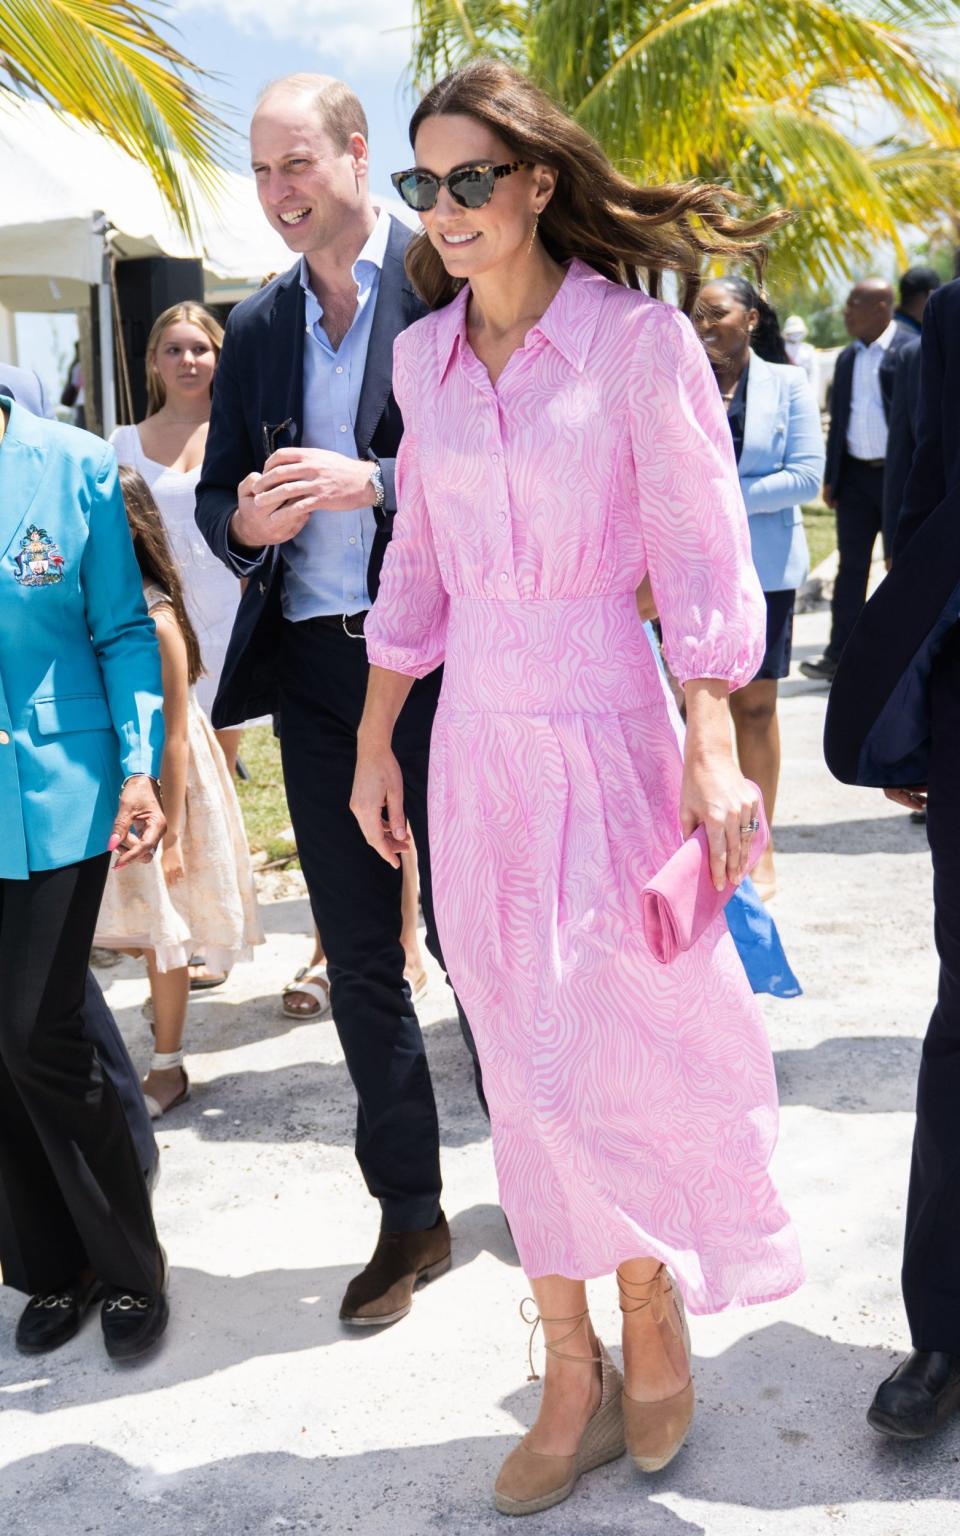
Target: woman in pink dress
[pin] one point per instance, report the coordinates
(564, 437)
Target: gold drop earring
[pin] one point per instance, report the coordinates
(533, 232)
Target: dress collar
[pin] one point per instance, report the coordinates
(568, 322)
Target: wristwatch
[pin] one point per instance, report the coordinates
(379, 489)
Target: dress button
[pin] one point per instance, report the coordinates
(504, 576)
(4, 738)
(502, 516)
(496, 458)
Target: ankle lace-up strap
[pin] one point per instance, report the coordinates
(655, 1294)
(553, 1347)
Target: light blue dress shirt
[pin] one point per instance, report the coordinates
(325, 566)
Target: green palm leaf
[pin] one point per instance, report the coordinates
(106, 64)
(775, 98)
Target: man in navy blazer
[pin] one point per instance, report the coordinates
(894, 720)
(297, 495)
(856, 450)
(98, 1024)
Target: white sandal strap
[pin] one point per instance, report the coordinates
(314, 989)
(153, 1108)
(162, 1062)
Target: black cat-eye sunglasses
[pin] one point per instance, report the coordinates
(469, 185)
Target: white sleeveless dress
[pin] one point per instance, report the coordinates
(211, 591)
(213, 910)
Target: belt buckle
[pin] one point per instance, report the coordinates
(348, 619)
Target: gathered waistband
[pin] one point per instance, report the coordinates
(584, 655)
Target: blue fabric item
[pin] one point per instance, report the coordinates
(325, 566)
(81, 704)
(758, 944)
(752, 928)
(780, 467)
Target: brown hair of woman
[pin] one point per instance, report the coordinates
(156, 563)
(194, 314)
(596, 214)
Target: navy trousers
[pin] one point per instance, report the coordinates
(355, 898)
(931, 1265)
(859, 520)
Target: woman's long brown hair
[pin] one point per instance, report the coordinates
(152, 549)
(618, 228)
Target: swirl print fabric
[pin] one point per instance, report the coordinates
(633, 1106)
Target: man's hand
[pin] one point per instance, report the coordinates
(307, 480)
(912, 799)
(252, 528)
(828, 498)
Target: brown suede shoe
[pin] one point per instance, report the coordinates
(402, 1262)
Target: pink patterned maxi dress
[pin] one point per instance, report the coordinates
(633, 1106)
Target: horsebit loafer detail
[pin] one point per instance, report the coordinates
(402, 1262)
(918, 1397)
(52, 1318)
(133, 1322)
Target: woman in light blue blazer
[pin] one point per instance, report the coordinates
(775, 424)
(81, 736)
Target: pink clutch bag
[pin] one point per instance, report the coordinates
(681, 900)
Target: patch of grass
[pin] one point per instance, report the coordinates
(821, 529)
(262, 799)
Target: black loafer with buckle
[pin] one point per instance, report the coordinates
(52, 1318)
(134, 1321)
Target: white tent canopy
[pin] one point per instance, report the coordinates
(62, 183)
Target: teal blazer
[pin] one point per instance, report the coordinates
(81, 705)
(781, 466)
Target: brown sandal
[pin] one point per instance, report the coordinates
(530, 1481)
(656, 1431)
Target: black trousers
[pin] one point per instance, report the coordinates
(355, 897)
(931, 1264)
(859, 520)
(100, 1027)
(72, 1189)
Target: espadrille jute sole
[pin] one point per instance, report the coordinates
(602, 1441)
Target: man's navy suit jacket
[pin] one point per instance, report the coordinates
(259, 381)
(841, 396)
(878, 718)
(903, 419)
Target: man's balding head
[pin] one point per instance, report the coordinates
(869, 309)
(336, 107)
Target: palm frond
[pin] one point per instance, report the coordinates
(107, 64)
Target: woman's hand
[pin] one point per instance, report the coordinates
(171, 860)
(139, 809)
(378, 783)
(715, 795)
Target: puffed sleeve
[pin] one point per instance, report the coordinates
(406, 629)
(693, 521)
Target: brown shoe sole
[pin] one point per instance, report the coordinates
(423, 1277)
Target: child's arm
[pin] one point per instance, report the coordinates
(173, 775)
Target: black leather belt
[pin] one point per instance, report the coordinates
(867, 463)
(350, 623)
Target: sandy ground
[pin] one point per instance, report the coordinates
(261, 1414)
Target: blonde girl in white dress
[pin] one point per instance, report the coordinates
(199, 894)
(167, 448)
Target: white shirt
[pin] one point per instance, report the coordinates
(867, 426)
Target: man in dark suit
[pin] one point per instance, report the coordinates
(901, 439)
(916, 286)
(856, 450)
(297, 494)
(99, 1025)
(894, 720)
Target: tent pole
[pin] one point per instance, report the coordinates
(108, 392)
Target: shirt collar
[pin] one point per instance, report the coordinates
(568, 322)
(369, 261)
(883, 340)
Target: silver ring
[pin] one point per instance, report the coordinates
(753, 825)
